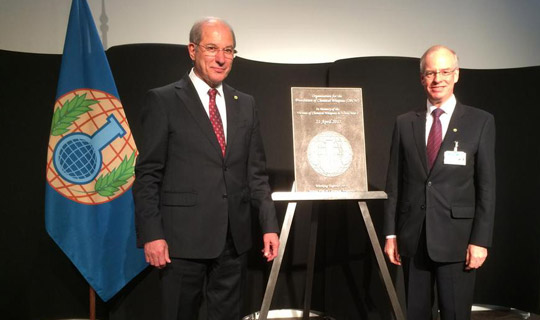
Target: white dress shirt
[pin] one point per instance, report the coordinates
(202, 90)
(448, 107)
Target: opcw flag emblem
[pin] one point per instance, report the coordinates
(91, 152)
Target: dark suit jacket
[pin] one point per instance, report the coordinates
(185, 191)
(456, 202)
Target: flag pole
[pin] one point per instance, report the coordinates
(92, 303)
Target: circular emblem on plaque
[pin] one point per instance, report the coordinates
(329, 154)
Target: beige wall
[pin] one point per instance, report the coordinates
(486, 33)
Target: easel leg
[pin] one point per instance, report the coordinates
(398, 313)
(311, 261)
(272, 279)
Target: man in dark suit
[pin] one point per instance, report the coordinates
(201, 167)
(441, 193)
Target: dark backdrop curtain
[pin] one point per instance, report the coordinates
(38, 281)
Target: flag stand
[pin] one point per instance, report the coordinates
(92, 303)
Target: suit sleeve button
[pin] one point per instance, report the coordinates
(224, 196)
(429, 184)
(423, 207)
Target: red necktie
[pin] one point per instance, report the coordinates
(434, 138)
(215, 119)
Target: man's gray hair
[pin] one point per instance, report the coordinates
(435, 48)
(195, 35)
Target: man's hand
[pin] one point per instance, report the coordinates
(391, 251)
(271, 246)
(475, 257)
(157, 253)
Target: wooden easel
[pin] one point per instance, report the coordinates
(293, 197)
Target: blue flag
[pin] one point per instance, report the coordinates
(89, 210)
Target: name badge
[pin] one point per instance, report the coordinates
(455, 157)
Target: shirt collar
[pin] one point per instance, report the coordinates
(448, 106)
(201, 86)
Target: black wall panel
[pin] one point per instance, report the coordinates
(37, 281)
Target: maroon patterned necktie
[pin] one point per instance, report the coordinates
(435, 137)
(215, 119)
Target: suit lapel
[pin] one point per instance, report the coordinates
(232, 106)
(190, 99)
(419, 133)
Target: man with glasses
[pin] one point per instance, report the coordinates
(441, 193)
(201, 166)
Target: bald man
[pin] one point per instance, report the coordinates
(441, 193)
(201, 167)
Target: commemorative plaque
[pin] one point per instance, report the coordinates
(329, 143)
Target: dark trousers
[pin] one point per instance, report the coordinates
(455, 286)
(183, 284)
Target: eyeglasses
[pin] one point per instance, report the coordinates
(212, 50)
(443, 73)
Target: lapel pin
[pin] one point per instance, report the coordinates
(455, 130)
(235, 97)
